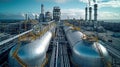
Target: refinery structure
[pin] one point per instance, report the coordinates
(48, 41)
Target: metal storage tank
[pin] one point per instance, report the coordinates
(86, 54)
(32, 54)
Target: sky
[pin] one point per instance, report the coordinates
(16, 9)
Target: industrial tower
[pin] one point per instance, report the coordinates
(86, 9)
(56, 13)
(41, 17)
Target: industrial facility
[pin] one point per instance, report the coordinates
(48, 41)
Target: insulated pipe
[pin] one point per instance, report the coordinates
(12, 38)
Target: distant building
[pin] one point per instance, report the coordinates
(4, 36)
(56, 13)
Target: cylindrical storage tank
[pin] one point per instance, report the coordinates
(67, 28)
(32, 54)
(86, 54)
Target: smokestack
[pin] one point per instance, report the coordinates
(35, 17)
(42, 9)
(86, 13)
(90, 13)
(26, 17)
(95, 12)
(41, 17)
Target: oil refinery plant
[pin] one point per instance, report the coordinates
(48, 41)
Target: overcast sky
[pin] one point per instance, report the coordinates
(15, 9)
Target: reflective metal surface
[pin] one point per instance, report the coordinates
(32, 54)
(85, 54)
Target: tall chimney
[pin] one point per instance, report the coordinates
(42, 9)
(86, 9)
(26, 17)
(90, 13)
(41, 17)
(35, 17)
(95, 12)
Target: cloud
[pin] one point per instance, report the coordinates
(11, 16)
(84, 1)
(77, 13)
(60, 1)
(18, 16)
(112, 3)
(35, 14)
(56, 1)
(104, 3)
(42, 0)
(87, 2)
(23, 14)
(108, 15)
(72, 13)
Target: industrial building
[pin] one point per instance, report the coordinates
(48, 16)
(56, 13)
(47, 42)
